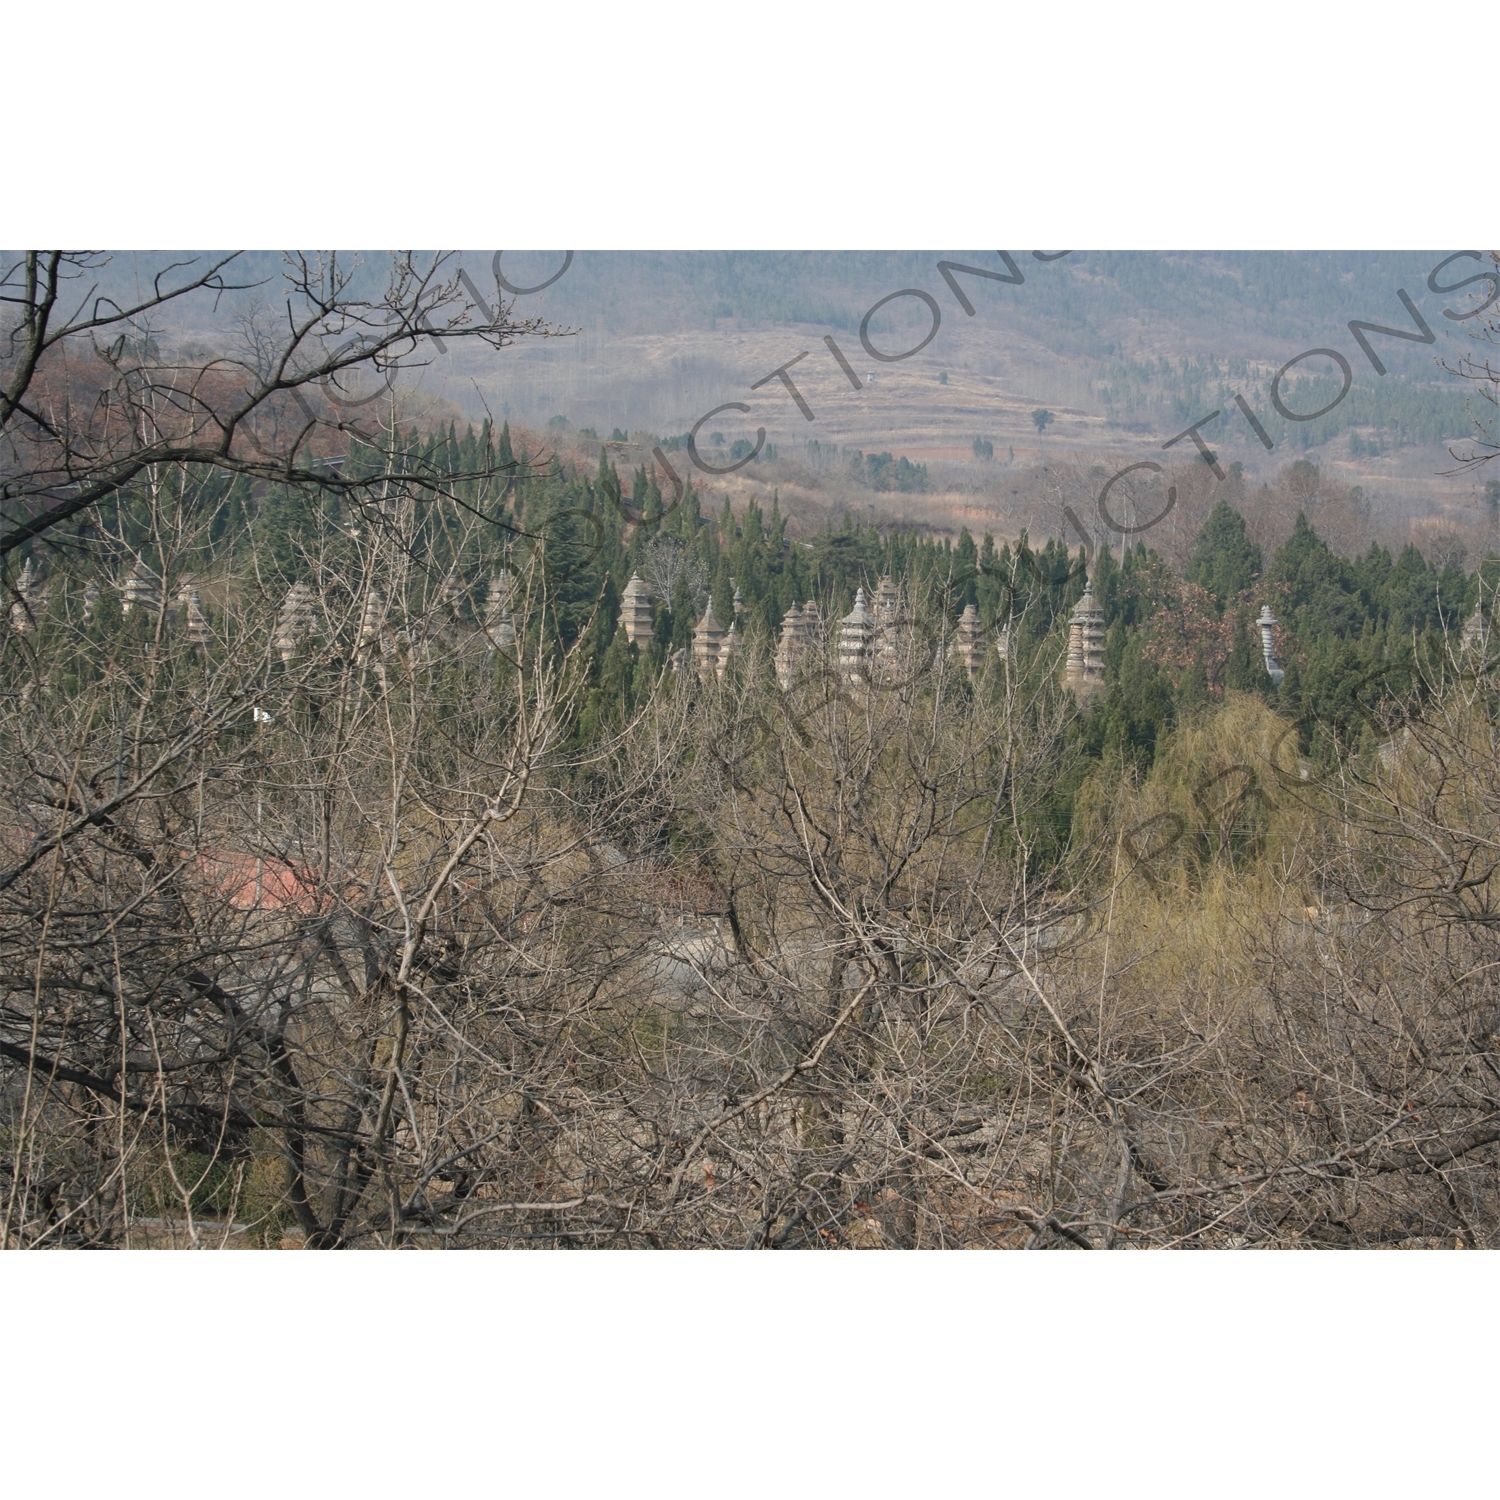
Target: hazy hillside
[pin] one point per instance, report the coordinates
(1123, 349)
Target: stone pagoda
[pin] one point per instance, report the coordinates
(1085, 669)
(499, 627)
(968, 641)
(299, 615)
(892, 631)
(369, 644)
(731, 648)
(708, 639)
(194, 622)
(637, 618)
(791, 648)
(31, 599)
(142, 587)
(1267, 623)
(1476, 631)
(800, 633)
(857, 640)
(453, 598)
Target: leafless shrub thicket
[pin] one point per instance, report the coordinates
(362, 948)
(324, 926)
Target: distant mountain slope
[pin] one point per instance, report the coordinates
(1124, 348)
(1245, 304)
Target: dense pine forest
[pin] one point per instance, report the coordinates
(1175, 644)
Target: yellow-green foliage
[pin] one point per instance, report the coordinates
(250, 1191)
(1225, 793)
(1203, 861)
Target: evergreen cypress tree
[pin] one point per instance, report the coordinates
(651, 505)
(966, 570)
(1245, 669)
(643, 683)
(607, 485)
(1192, 690)
(1225, 561)
(1321, 591)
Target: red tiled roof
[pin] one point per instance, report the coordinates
(259, 884)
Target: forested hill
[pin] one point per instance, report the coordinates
(1177, 641)
(1176, 644)
(1140, 340)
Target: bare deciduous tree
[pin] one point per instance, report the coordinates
(91, 397)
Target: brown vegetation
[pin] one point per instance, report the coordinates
(348, 935)
(762, 969)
